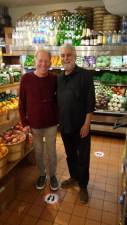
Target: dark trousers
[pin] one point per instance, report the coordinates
(78, 156)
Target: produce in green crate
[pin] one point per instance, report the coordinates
(29, 61)
(103, 61)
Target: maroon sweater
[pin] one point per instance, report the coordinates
(37, 101)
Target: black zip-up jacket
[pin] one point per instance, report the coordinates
(76, 98)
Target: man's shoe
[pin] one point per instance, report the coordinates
(54, 183)
(71, 182)
(41, 182)
(84, 196)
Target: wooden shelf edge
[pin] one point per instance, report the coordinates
(10, 166)
(7, 86)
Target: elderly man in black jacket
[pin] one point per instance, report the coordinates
(76, 101)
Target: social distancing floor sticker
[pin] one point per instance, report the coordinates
(99, 154)
(51, 198)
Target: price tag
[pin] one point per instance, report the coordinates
(97, 69)
(8, 91)
(123, 70)
(113, 69)
(14, 92)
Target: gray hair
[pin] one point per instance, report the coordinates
(69, 46)
(43, 50)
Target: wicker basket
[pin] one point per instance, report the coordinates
(3, 116)
(16, 151)
(13, 114)
(3, 162)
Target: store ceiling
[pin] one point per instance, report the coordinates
(20, 3)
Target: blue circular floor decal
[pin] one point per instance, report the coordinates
(51, 198)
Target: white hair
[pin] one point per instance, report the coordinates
(68, 46)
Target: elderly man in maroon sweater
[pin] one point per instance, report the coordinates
(37, 107)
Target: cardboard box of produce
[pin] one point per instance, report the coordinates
(7, 192)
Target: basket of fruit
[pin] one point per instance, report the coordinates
(3, 158)
(15, 141)
(3, 111)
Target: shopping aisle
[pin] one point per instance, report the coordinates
(104, 187)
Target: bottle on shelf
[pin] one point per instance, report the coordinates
(100, 38)
(119, 37)
(95, 39)
(109, 38)
(91, 38)
(104, 38)
(114, 37)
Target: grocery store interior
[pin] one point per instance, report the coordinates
(98, 30)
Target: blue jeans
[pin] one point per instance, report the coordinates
(44, 140)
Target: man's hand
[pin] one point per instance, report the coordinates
(84, 130)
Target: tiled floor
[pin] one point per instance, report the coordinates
(29, 207)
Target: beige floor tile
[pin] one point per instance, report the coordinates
(80, 210)
(96, 203)
(110, 207)
(70, 197)
(104, 188)
(75, 220)
(91, 222)
(94, 214)
(66, 207)
(48, 215)
(99, 194)
(35, 211)
(43, 222)
(111, 197)
(28, 220)
(62, 218)
(109, 218)
(18, 218)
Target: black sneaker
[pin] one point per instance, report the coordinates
(41, 182)
(54, 183)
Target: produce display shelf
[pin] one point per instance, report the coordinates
(11, 54)
(11, 165)
(104, 119)
(108, 130)
(107, 69)
(9, 86)
(116, 85)
(118, 113)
